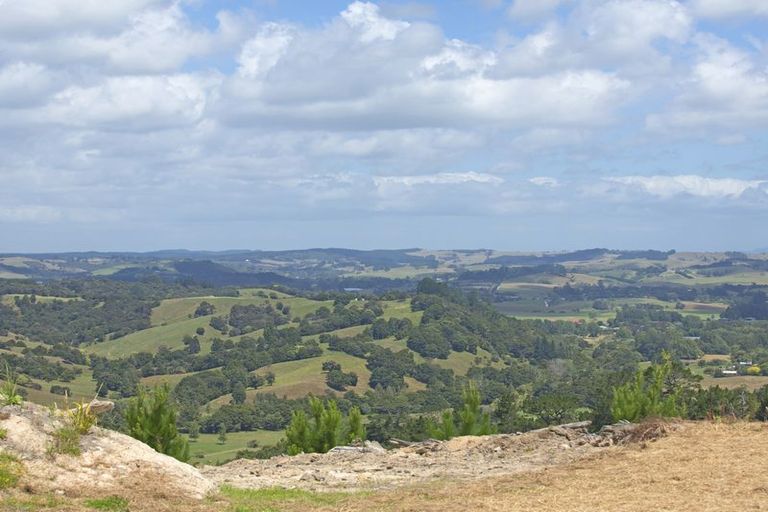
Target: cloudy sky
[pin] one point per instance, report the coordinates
(519, 125)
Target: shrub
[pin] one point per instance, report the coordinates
(9, 392)
(642, 398)
(61, 390)
(472, 420)
(10, 471)
(3, 433)
(82, 417)
(754, 370)
(326, 429)
(151, 418)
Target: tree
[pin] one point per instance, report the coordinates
(194, 431)
(646, 395)
(205, 309)
(356, 427)
(325, 428)
(192, 343)
(270, 378)
(474, 422)
(222, 434)
(151, 418)
(238, 393)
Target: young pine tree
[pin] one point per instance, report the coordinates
(151, 418)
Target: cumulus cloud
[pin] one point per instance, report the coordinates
(443, 178)
(138, 108)
(726, 88)
(545, 181)
(666, 187)
(729, 8)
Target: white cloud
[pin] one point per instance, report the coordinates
(365, 17)
(151, 37)
(262, 52)
(443, 178)
(725, 89)
(545, 181)
(729, 8)
(23, 84)
(666, 187)
(621, 35)
(133, 103)
(29, 18)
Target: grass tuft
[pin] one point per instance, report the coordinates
(66, 440)
(10, 471)
(275, 498)
(110, 503)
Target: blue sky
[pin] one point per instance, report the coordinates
(270, 124)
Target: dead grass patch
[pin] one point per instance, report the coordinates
(705, 467)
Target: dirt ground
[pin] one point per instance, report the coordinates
(458, 459)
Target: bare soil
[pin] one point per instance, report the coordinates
(461, 458)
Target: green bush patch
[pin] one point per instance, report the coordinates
(10, 471)
(272, 498)
(66, 440)
(110, 503)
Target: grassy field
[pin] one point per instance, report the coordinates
(750, 382)
(83, 387)
(538, 308)
(404, 272)
(401, 309)
(698, 279)
(175, 310)
(149, 340)
(171, 380)
(296, 379)
(207, 450)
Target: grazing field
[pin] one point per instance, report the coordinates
(83, 387)
(208, 450)
(748, 381)
(404, 272)
(400, 309)
(541, 308)
(171, 380)
(175, 310)
(149, 340)
(296, 379)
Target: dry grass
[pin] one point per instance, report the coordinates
(703, 467)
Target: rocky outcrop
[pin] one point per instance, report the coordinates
(461, 458)
(109, 462)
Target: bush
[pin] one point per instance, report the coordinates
(643, 398)
(60, 390)
(9, 392)
(82, 417)
(326, 429)
(472, 420)
(151, 418)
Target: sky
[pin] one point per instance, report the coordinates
(276, 124)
